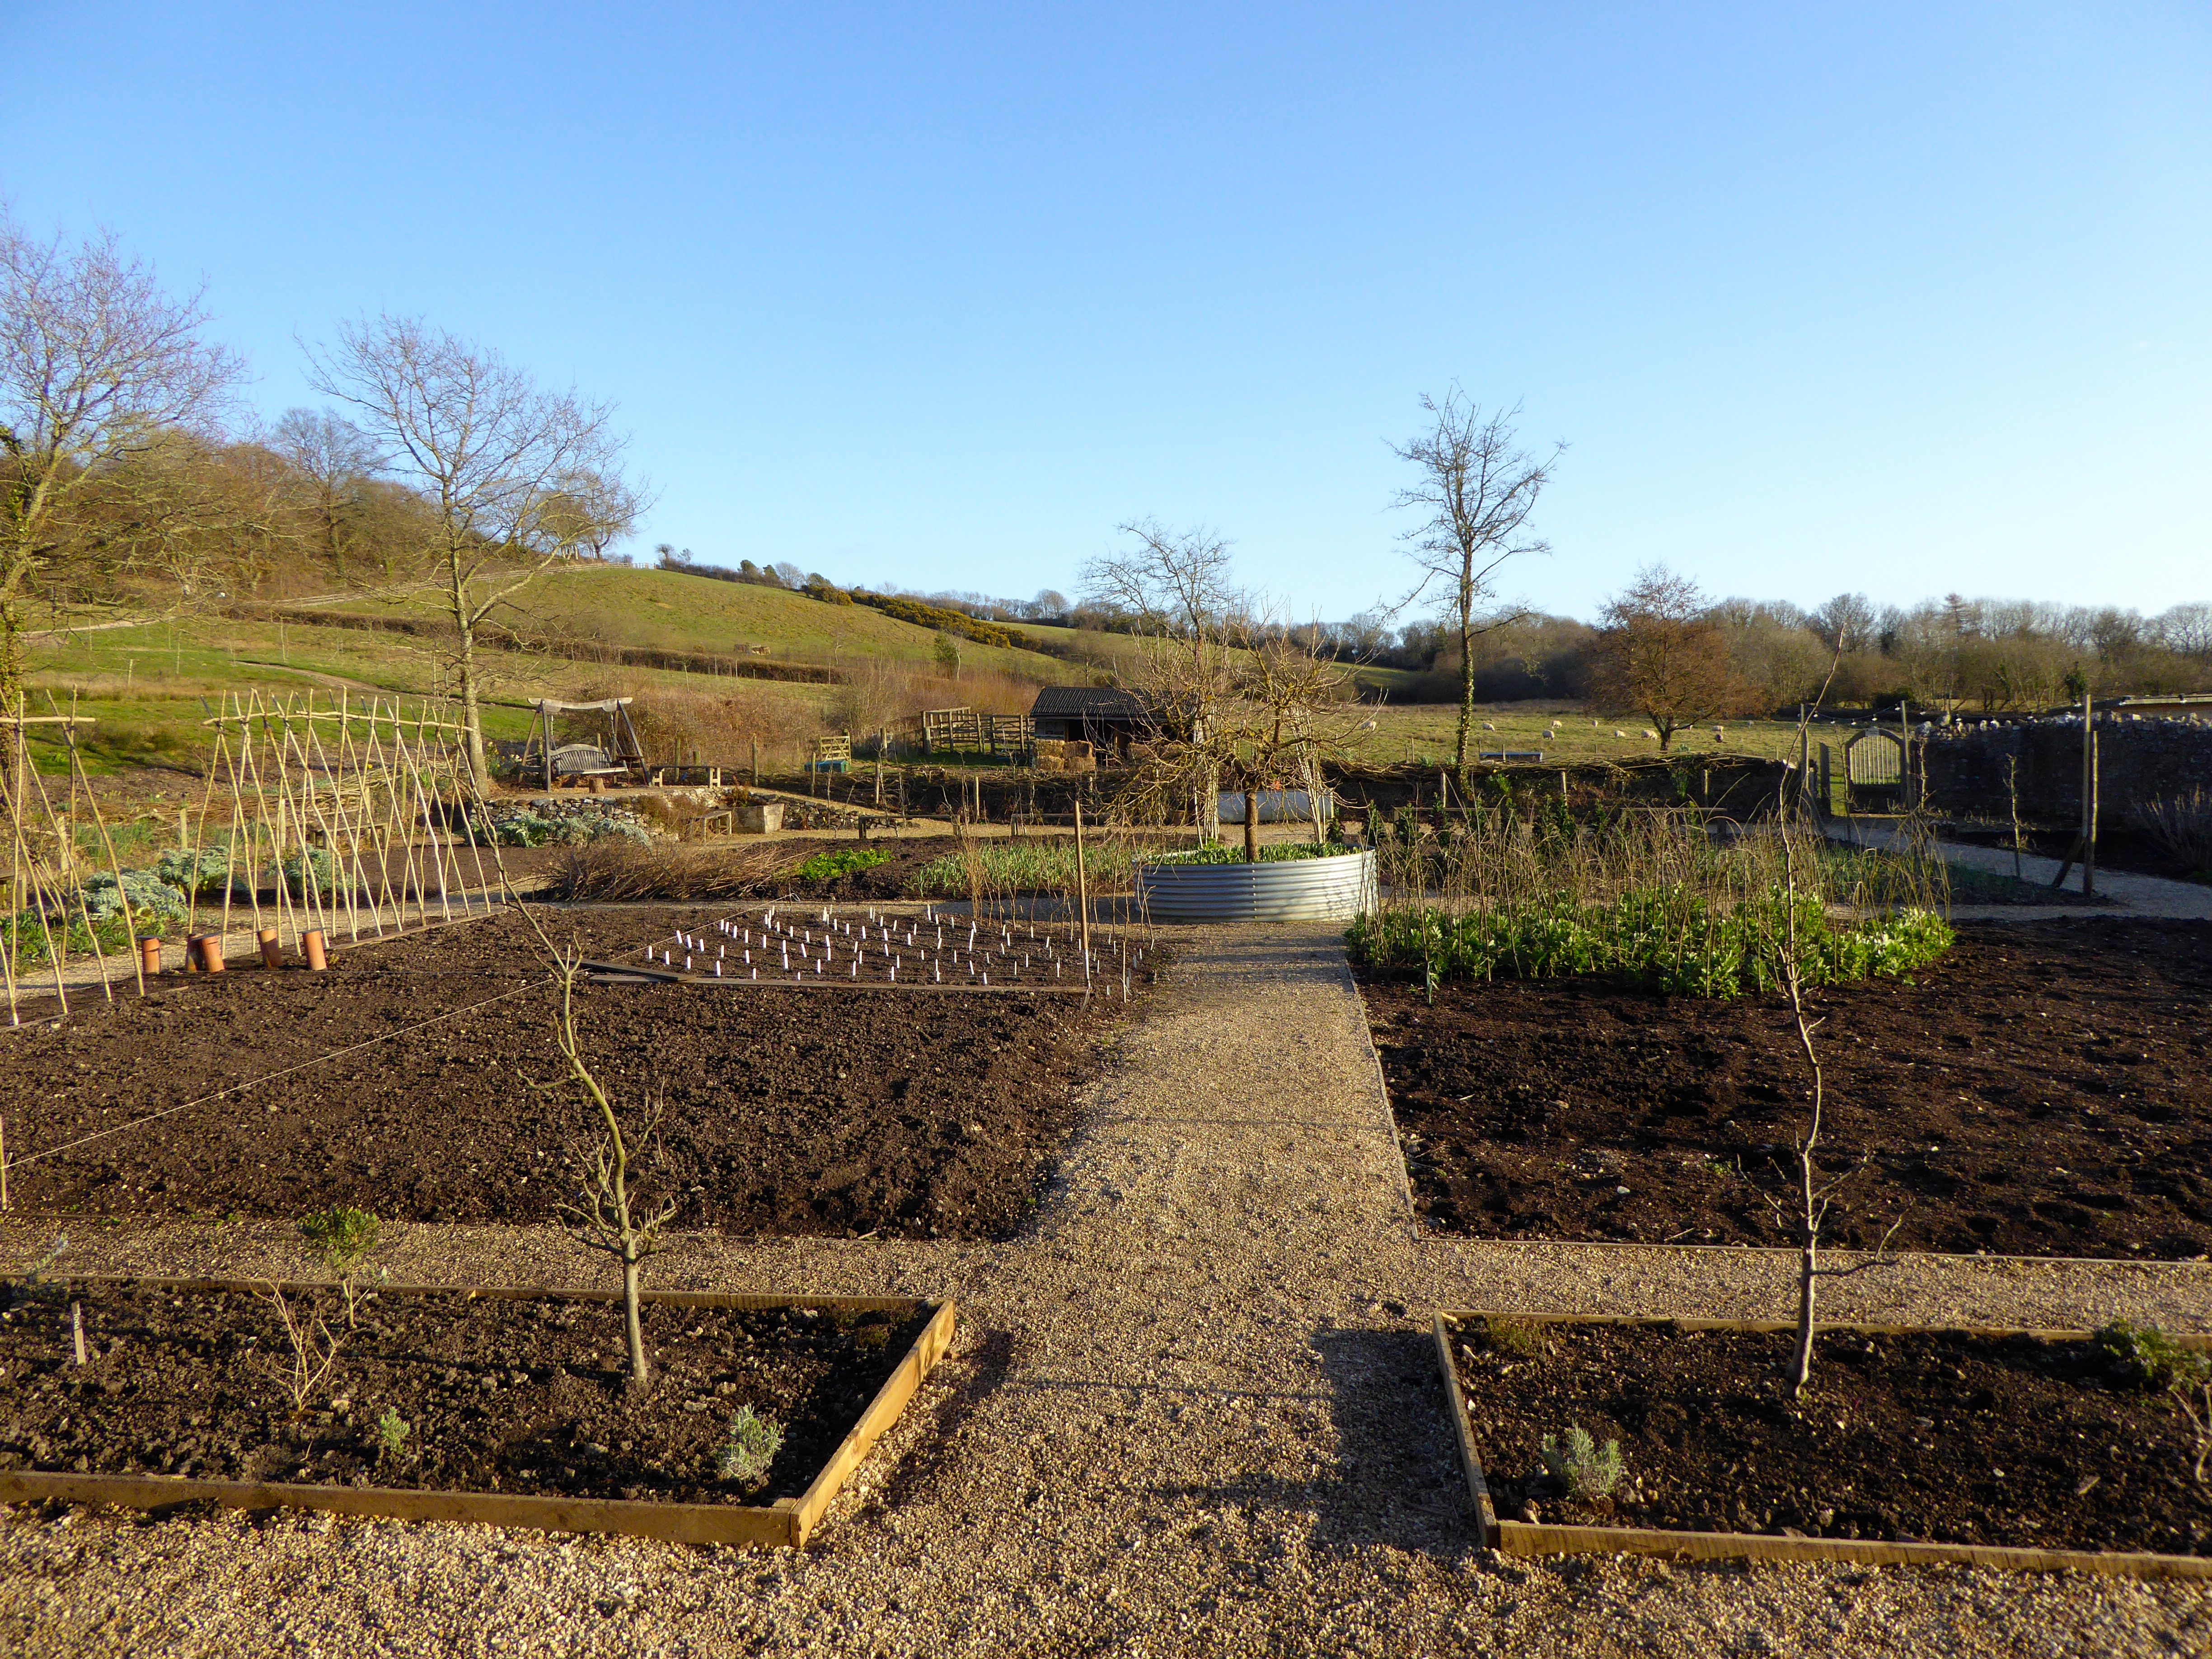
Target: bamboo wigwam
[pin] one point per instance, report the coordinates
(353, 815)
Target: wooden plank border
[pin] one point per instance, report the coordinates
(1526, 1538)
(787, 1521)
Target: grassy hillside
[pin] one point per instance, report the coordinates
(612, 605)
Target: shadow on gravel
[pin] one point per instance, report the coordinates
(1395, 1480)
(987, 1369)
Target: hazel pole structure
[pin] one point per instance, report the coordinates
(333, 826)
(115, 864)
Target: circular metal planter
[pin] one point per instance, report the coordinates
(1287, 890)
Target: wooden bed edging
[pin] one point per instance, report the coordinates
(787, 1521)
(1528, 1538)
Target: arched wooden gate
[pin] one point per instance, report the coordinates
(1873, 772)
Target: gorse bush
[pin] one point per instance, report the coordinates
(1671, 939)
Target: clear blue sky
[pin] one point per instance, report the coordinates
(1894, 298)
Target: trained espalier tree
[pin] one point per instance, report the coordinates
(98, 365)
(1233, 699)
(516, 475)
(1477, 487)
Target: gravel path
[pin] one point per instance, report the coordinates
(2128, 895)
(1194, 1410)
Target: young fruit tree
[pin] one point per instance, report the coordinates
(1805, 1212)
(613, 1216)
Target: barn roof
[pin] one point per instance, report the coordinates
(1065, 702)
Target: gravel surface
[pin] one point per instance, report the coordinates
(1193, 1410)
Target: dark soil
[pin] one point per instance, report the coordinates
(497, 1395)
(2046, 1089)
(922, 1113)
(1939, 1436)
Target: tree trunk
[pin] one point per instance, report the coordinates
(1808, 1285)
(1251, 826)
(641, 1367)
(472, 712)
(1465, 679)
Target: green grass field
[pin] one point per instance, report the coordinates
(671, 612)
(1424, 732)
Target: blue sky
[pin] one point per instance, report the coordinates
(1894, 298)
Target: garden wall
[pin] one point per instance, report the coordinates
(2138, 759)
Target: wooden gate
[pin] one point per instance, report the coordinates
(1873, 772)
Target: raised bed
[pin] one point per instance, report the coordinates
(512, 1413)
(1333, 889)
(2042, 1090)
(1702, 1448)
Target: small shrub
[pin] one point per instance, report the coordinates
(2183, 825)
(391, 1432)
(203, 872)
(1524, 1337)
(2145, 1357)
(318, 864)
(1580, 1466)
(846, 861)
(152, 900)
(343, 1236)
(749, 1448)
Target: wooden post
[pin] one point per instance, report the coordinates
(756, 762)
(2089, 796)
(545, 737)
(1083, 891)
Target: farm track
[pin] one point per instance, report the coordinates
(1194, 1409)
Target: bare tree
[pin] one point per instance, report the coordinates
(1807, 1215)
(1174, 587)
(334, 458)
(1478, 487)
(1661, 652)
(496, 456)
(593, 511)
(97, 363)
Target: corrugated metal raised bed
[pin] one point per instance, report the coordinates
(1276, 889)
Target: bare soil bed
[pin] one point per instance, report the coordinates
(1940, 1436)
(497, 1395)
(920, 1114)
(2046, 1089)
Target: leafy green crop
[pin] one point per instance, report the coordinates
(846, 861)
(1668, 938)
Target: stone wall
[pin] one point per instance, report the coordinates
(2138, 758)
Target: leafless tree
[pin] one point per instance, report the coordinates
(495, 454)
(1807, 1214)
(1478, 487)
(333, 460)
(593, 511)
(98, 363)
(1175, 589)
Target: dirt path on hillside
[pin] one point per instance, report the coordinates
(1194, 1410)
